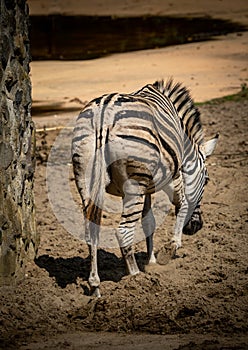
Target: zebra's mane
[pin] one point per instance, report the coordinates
(186, 109)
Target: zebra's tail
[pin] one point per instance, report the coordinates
(97, 185)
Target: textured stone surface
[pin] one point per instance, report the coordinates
(18, 239)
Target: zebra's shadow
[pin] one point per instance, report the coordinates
(67, 270)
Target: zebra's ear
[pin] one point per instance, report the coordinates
(209, 146)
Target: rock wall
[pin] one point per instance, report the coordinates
(18, 238)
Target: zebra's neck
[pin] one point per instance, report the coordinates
(185, 107)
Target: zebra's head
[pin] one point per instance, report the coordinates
(195, 223)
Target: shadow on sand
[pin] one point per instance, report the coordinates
(67, 270)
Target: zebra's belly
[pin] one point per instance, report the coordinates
(139, 159)
(166, 186)
(144, 179)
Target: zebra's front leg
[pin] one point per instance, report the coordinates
(168, 252)
(181, 209)
(182, 214)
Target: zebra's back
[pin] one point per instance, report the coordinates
(140, 139)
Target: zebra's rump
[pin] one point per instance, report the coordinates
(134, 149)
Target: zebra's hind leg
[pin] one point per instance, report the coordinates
(94, 280)
(92, 240)
(131, 264)
(150, 252)
(148, 224)
(133, 203)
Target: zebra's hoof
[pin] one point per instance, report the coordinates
(95, 292)
(193, 225)
(166, 253)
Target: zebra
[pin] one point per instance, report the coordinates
(132, 145)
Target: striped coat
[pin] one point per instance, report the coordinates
(132, 145)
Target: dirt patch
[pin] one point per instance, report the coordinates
(201, 297)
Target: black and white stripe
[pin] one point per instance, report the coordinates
(131, 145)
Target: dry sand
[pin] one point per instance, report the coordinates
(210, 69)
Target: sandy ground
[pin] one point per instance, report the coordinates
(210, 69)
(198, 301)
